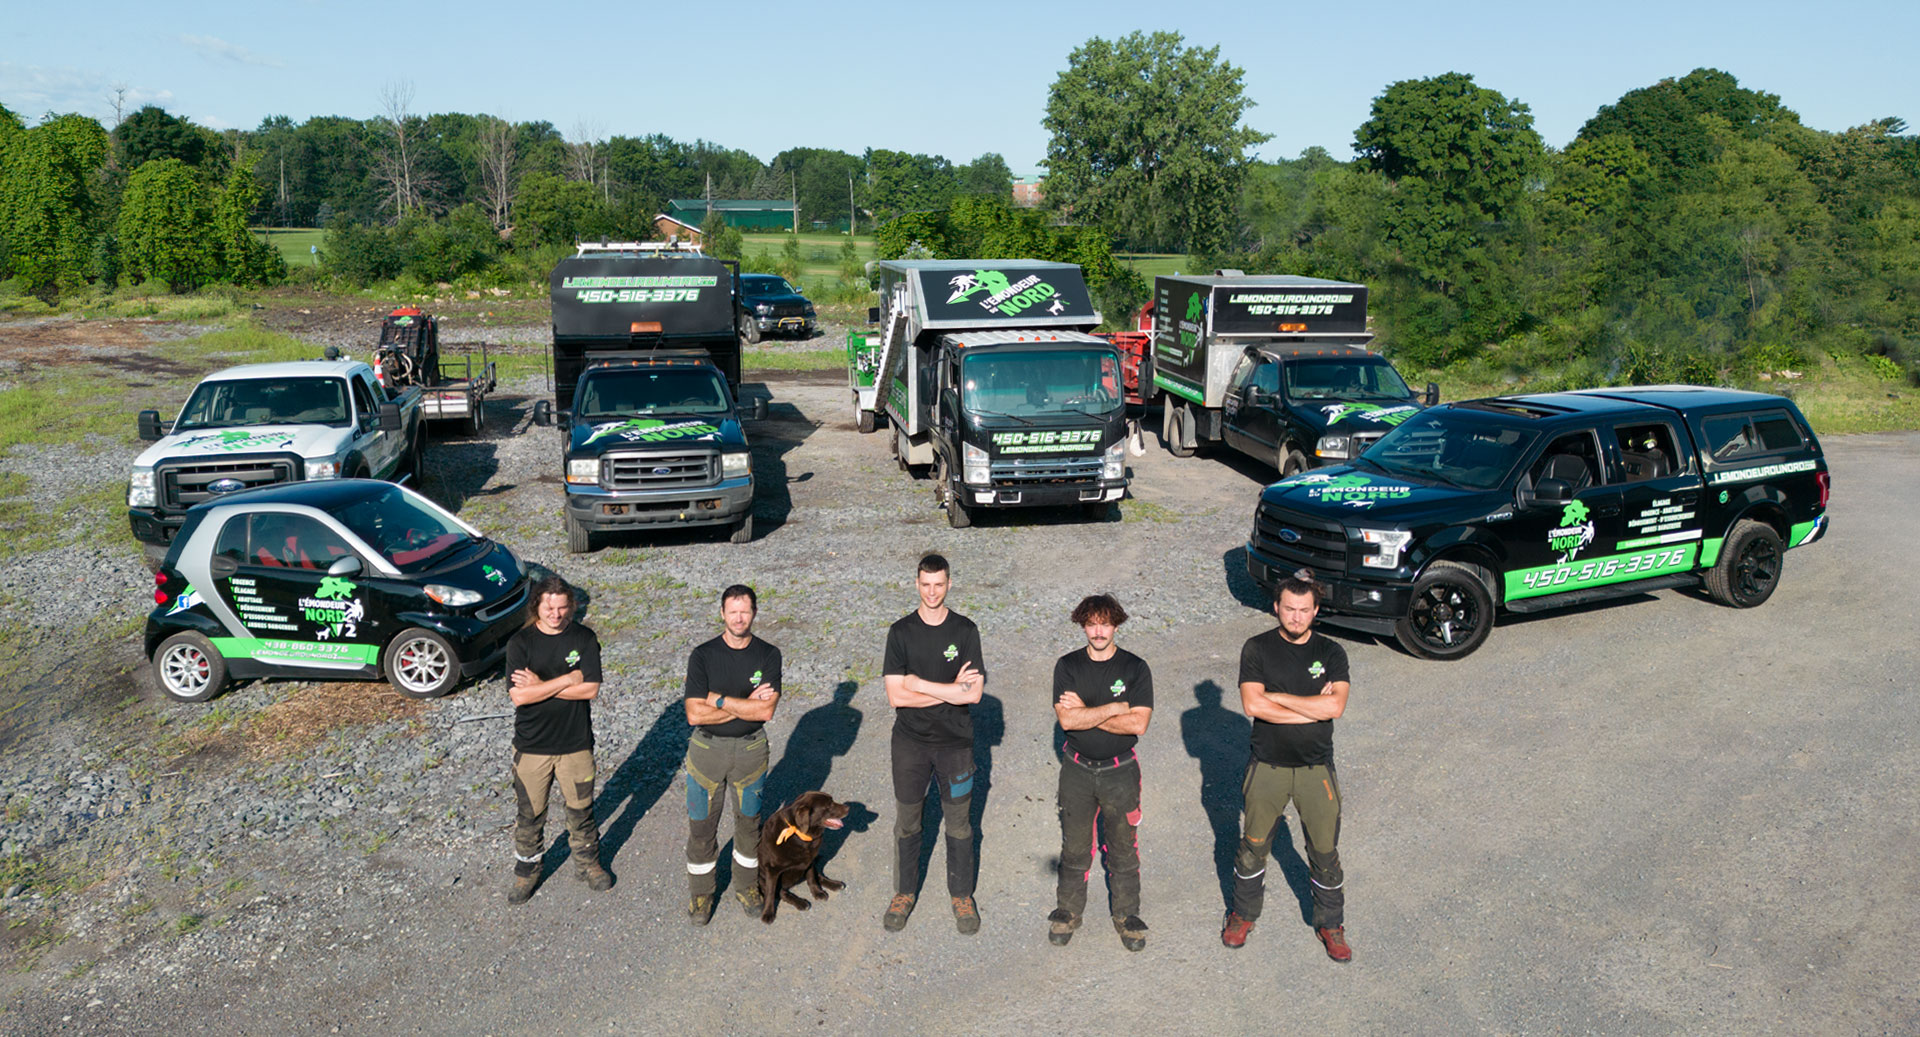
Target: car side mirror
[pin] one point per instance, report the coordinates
(1433, 393)
(149, 423)
(390, 418)
(344, 566)
(1553, 491)
(873, 315)
(758, 411)
(542, 413)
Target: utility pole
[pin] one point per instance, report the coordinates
(793, 186)
(853, 216)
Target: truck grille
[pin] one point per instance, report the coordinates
(659, 471)
(1046, 471)
(1363, 440)
(790, 310)
(184, 485)
(1316, 542)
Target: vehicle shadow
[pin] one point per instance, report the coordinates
(821, 734)
(773, 439)
(456, 473)
(1217, 738)
(989, 728)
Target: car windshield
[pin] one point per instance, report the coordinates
(642, 390)
(1041, 382)
(768, 286)
(1341, 378)
(1451, 446)
(411, 533)
(262, 401)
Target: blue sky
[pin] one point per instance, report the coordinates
(954, 80)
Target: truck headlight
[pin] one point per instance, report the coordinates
(974, 461)
(763, 309)
(1333, 446)
(583, 470)
(1387, 545)
(735, 466)
(1114, 464)
(140, 489)
(453, 597)
(327, 469)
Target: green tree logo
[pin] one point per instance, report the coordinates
(993, 282)
(1574, 514)
(1196, 306)
(952, 653)
(1119, 688)
(333, 588)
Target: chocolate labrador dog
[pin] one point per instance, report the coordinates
(789, 842)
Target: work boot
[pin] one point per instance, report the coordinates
(1335, 940)
(898, 911)
(966, 917)
(1236, 930)
(523, 885)
(1060, 926)
(751, 901)
(596, 877)
(1133, 932)
(700, 909)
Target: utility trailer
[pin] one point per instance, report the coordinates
(409, 354)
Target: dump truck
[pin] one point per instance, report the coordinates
(1274, 366)
(989, 381)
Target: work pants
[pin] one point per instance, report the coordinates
(1096, 802)
(534, 775)
(914, 765)
(1315, 793)
(716, 764)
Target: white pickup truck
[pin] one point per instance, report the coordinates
(260, 424)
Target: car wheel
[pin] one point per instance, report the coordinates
(749, 330)
(421, 664)
(1292, 462)
(957, 515)
(1183, 441)
(1749, 566)
(190, 668)
(742, 530)
(1451, 612)
(579, 537)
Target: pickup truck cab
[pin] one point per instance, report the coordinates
(1299, 406)
(337, 580)
(773, 307)
(653, 439)
(262, 424)
(1528, 502)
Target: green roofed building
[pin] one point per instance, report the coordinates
(744, 213)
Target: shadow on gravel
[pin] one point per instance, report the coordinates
(989, 728)
(642, 779)
(475, 460)
(821, 733)
(1240, 582)
(783, 431)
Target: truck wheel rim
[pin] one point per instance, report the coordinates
(422, 664)
(1445, 618)
(1759, 567)
(185, 670)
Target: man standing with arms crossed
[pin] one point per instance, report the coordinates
(553, 667)
(933, 672)
(1293, 683)
(733, 685)
(1103, 698)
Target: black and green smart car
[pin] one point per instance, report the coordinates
(339, 580)
(1525, 503)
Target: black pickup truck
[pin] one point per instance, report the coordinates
(1530, 502)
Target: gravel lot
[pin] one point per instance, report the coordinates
(1652, 816)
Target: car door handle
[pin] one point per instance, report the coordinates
(222, 567)
(1605, 510)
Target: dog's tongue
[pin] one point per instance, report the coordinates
(832, 822)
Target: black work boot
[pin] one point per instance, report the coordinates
(525, 877)
(1060, 926)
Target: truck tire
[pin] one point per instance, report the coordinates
(742, 530)
(1184, 441)
(864, 420)
(1166, 421)
(190, 669)
(1749, 566)
(1291, 462)
(749, 331)
(1450, 614)
(579, 537)
(413, 465)
(476, 418)
(421, 664)
(957, 515)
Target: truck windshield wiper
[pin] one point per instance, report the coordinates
(997, 414)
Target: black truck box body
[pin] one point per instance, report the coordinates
(1202, 324)
(612, 302)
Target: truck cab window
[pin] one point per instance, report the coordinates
(1647, 451)
(363, 401)
(1573, 458)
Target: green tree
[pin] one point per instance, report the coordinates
(51, 207)
(242, 257)
(789, 266)
(986, 176)
(1147, 140)
(165, 228)
(552, 211)
(720, 240)
(151, 133)
(900, 183)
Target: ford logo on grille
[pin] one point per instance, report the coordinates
(663, 470)
(1288, 536)
(225, 486)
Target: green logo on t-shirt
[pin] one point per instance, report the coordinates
(1316, 669)
(1119, 687)
(951, 652)
(755, 679)
(573, 657)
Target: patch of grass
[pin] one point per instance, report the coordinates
(26, 525)
(244, 344)
(295, 723)
(1155, 264)
(294, 243)
(1135, 510)
(762, 358)
(189, 923)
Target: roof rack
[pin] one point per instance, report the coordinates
(588, 248)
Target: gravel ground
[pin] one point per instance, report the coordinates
(1540, 867)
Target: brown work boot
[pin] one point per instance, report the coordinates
(700, 909)
(966, 917)
(751, 900)
(1133, 932)
(1234, 934)
(898, 912)
(523, 886)
(1335, 940)
(1060, 926)
(596, 877)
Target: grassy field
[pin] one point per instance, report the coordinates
(1154, 264)
(294, 243)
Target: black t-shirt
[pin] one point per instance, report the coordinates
(555, 726)
(1123, 678)
(733, 672)
(1290, 669)
(934, 654)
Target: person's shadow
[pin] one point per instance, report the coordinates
(646, 774)
(821, 733)
(1217, 737)
(989, 728)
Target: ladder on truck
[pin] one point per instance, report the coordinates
(868, 404)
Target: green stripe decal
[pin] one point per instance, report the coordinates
(1178, 388)
(1710, 551)
(1595, 572)
(299, 653)
(1798, 533)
